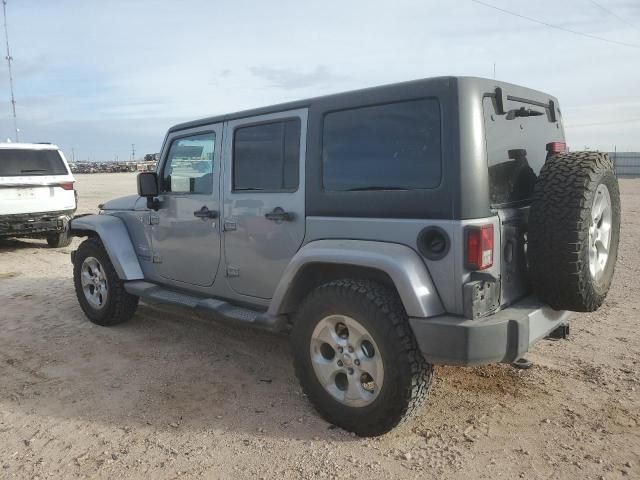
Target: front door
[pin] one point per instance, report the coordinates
(185, 231)
(264, 215)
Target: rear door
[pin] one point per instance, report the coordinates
(264, 215)
(34, 181)
(516, 140)
(185, 231)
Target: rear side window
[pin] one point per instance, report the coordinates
(516, 149)
(267, 156)
(19, 162)
(395, 146)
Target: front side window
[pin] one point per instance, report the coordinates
(189, 165)
(383, 147)
(267, 156)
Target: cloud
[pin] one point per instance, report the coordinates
(290, 78)
(121, 75)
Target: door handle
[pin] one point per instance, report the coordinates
(279, 215)
(205, 213)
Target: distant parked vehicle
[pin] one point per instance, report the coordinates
(147, 166)
(37, 196)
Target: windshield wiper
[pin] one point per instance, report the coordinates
(523, 112)
(248, 189)
(374, 188)
(31, 170)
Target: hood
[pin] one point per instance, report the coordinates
(130, 202)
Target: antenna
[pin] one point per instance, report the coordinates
(9, 59)
(494, 70)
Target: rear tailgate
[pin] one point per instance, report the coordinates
(20, 195)
(34, 181)
(518, 126)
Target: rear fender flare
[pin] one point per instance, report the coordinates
(115, 237)
(402, 264)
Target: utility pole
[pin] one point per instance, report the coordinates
(9, 59)
(73, 155)
(494, 70)
(133, 152)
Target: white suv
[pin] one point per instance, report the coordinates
(37, 195)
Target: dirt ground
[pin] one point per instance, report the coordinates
(170, 395)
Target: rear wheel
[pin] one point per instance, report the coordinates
(356, 357)
(100, 291)
(59, 239)
(574, 230)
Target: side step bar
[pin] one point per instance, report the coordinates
(222, 310)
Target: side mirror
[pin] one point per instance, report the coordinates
(148, 187)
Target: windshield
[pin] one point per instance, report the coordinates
(17, 162)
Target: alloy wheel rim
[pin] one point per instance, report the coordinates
(600, 232)
(94, 282)
(347, 360)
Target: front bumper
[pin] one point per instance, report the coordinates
(502, 337)
(34, 224)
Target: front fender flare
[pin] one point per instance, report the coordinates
(402, 264)
(115, 237)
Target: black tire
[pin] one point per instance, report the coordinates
(119, 306)
(559, 223)
(59, 239)
(407, 375)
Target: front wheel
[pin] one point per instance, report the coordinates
(356, 357)
(100, 291)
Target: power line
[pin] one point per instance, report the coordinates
(615, 15)
(9, 59)
(557, 27)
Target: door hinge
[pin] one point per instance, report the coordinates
(229, 225)
(233, 271)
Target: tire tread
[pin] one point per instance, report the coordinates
(559, 221)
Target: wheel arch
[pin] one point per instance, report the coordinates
(394, 265)
(114, 236)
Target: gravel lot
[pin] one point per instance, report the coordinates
(171, 395)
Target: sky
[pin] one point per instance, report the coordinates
(97, 76)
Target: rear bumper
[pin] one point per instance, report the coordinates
(33, 224)
(502, 337)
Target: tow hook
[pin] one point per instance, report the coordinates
(522, 364)
(561, 332)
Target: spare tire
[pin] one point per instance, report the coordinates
(574, 229)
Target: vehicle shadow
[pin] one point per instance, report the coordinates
(9, 244)
(169, 369)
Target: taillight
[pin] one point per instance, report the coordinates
(66, 185)
(556, 147)
(479, 247)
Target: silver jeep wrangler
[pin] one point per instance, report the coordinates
(438, 221)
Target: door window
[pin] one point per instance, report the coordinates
(267, 156)
(189, 165)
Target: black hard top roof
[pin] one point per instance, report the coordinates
(303, 103)
(371, 92)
